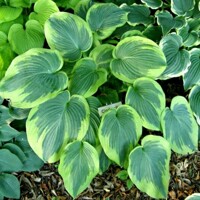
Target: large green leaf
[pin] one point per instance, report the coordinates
(194, 99)
(138, 14)
(9, 162)
(181, 7)
(154, 4)
(167, 22)
(149, 166)
(56, 122)
(86, 77)
(179, 126)
(119, 132)
(69, 34)
(8, 13)
(42, 10)
(102, 55)
(135, 57)
(79, 164)
(104, 18)
(178, 59)
(33, 78)
(192, 76)
(148, 99)
(92, 132)
(9, 186)
(32, 36)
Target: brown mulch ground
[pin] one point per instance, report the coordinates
(46, 184)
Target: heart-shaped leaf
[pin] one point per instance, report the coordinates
(42, 10)
(79, 164)
(149, 166)
(178, 59)
(138, 14)
(86, 77)
(192, 76)
(194, 99)
(167, 22)
(68, 34)
(56, 122)
(179, 126)
(32, 36)
(102, 55)
(135, 57)
(181, 7)
(9, 186)
(119, 132)
(7, 132)
(104, 18)
(6, 158)
(148, 99)
(189, 32)
(154, 4)
(33, 78)
(8, 13)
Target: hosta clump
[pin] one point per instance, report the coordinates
(103, 53)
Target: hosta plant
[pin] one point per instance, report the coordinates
(91, 75)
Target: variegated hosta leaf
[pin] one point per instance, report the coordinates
(195, 196)
(104, 18)
(42, 10)
(55, 122)
(167, 22)
(92, 132)
(32, 36)
(138, 14)
(33, 78)
(79, 164)
(135, 57)
(119, 132)
(154, 4)
(149, 166)
(189, 32)
(194, 99)
(148, 99)
(102, 55)
(8, 13)
(86, 77)
(192, 76)
(68, 34)
(82, 7)
(179, 126)
(181, 7)
(177, 59)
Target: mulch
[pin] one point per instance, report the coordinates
(47, 184)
